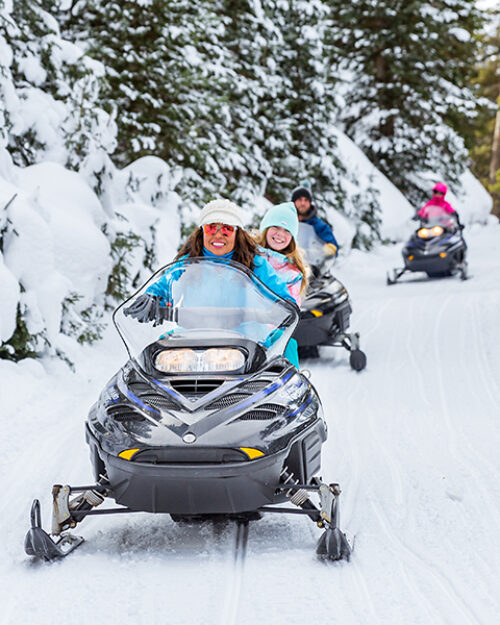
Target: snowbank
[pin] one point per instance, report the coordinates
(396, 210)
(52, 249)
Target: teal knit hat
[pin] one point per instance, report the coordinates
(282, 216)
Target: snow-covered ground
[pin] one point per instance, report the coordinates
(413, 441)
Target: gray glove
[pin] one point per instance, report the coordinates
(148, 308)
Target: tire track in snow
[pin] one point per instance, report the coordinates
(233, 593)
(459, 444)
(426, 568)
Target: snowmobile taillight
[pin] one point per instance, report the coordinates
(251, 452)
(206, 360)
(127, 454)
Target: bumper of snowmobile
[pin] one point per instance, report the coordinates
(192, 489)
(432, 263)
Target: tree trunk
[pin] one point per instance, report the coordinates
(495, 151)
(495, 164)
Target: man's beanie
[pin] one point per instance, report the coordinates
(301, 192)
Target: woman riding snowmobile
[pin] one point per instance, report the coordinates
(220, 235)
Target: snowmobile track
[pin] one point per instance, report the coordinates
(231, 604)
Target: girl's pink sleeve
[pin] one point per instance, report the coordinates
(294, 290)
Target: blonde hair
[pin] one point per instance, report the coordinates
(291, 251)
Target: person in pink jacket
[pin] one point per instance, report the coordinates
(277, 243)
(437, 206)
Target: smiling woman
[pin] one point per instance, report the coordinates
(221, 233)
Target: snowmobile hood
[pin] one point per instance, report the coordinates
(262, 410)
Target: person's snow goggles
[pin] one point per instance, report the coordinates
(226, 230)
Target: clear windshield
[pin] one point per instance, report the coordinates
(203, 299)
(440, 218)
(310, 244)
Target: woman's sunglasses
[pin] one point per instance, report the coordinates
(211, 229)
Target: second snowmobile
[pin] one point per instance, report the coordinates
(326, 309)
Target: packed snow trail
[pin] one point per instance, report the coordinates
(413, 442)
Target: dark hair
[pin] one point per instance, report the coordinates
(301, 192)
(245, 247)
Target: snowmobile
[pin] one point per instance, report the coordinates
(206, 420)
(437, 247)
(326, 309)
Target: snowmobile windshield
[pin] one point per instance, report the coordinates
(310, 244)
(204, 301)
(444, 220)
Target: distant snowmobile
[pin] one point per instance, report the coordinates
(206, 419)
(437, 248)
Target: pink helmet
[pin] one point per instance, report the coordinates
(440, 186)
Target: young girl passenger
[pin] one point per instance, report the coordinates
(277, 240)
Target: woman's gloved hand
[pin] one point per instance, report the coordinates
(329, 249)
(148, 308)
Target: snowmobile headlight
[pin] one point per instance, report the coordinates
(424, 233)
(436, 231)
(176, 360)
(222, 359)
(190, 360)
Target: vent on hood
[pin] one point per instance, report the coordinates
(123, 412)
(195, 387)
(264, 412)
(227, 400)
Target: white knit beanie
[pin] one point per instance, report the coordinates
(221, 212)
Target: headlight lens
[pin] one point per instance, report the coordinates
(222, 359)
(190, 360)
(427, 233)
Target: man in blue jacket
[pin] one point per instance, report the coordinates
(307, 214)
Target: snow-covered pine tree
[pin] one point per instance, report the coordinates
(165, 77)
(406, 68)
(485, 152)
(50, 108)
(47, 112)
(250, 39)
(301, 138)
(301, 144)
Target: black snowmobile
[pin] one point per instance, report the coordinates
(326, 310)
(437, 247)
(206, 420)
